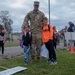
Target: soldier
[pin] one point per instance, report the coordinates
(35, 17)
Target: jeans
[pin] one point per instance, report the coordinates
(26, 53)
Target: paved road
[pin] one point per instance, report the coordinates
(11, 52)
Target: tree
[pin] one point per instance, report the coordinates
(6, 21)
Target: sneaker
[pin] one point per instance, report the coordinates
(55, 62)
(52, 63)
(38, 59)
(25, 63)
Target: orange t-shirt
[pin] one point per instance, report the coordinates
(47, 34)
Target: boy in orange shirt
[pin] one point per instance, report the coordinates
(47, 39)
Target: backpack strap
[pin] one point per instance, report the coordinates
(48, 27)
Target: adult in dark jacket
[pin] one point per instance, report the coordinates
(71, 28)
(71, 25)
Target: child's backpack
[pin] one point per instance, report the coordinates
(21, 43)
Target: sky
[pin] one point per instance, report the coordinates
(61, 11)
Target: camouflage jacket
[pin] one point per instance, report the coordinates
(34, 19)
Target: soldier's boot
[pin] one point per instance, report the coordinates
(38, 59)
(32, 59)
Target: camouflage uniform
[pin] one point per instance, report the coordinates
(35, 18)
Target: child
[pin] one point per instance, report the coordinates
(27, 39)
(2, 38)
(47, 39)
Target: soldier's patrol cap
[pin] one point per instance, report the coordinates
(36, 3)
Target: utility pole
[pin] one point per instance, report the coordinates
(49, 10)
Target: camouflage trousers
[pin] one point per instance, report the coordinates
(36, 45)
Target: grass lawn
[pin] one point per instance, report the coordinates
(65, 66)
(10, 44)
